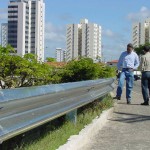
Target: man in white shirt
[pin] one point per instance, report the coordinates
(128, 62)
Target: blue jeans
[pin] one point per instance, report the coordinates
(145, 83)
(129, 76)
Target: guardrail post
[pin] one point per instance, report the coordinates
(72, 116)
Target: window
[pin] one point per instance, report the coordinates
(12, 16)
(12, 6)
(13, 11)
(14, 22)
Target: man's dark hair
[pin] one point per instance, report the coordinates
(130, 45)
(146, 48)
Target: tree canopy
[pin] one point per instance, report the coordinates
(16, 71)
(50, 59)
(139, 50)
(85, 69)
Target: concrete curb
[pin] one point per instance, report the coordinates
(76, 142)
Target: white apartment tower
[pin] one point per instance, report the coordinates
(73, 43)
(60, 55)
(26, 20)
(141, 33)
(4, 34)
(83, 40)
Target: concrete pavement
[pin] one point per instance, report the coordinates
(127, 129)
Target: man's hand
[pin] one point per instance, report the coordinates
(118, 72)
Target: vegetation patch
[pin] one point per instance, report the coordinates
(16, 71)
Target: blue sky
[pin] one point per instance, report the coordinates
(115, 17)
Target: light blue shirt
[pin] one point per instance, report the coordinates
(128, 60)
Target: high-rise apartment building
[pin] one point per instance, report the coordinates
(141, 33)
(83, 40)
(4, 34)
(26, 19)
(60, 55)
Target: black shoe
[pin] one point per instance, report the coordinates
(117, 97)
(128, 102)
(145, 103)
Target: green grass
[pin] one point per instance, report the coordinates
(57, 136)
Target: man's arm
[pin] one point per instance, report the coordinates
(136, 63)
(142, 63)
(119, 65)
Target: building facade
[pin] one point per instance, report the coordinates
(4, 34)
(60, 55)
(73, 44)
(83, 40)
(141, 33)
(26, 19)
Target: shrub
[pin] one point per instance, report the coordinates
(85, 69)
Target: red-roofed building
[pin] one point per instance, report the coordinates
(112, 63)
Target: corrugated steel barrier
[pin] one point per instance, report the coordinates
(26, 108)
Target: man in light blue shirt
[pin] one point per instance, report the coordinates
(128, 62)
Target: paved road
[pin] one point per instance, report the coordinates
(127, 129)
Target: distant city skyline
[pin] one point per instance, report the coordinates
(115, 17)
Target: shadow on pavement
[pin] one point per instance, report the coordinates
(126, 104)
(131, 118)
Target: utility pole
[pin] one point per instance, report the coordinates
(102, 53)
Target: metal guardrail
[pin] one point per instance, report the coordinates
(26, 108)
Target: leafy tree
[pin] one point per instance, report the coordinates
(50, 59)
(6, 50)
(6, 65)
(139, 50)
(106, 71)
(85, 69)
(16, 71)
(32, 72)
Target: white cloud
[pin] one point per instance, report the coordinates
(108, 33)
(3, 14)
(66, 17)
(138, 16)
(54, 33)
(3, 10)
(112, 51)
(114, 37)
(55, 36)
(143, 9)
(114, 43)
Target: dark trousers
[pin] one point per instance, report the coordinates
(145, 83)
(149, 87)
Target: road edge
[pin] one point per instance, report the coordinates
(76, 142)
